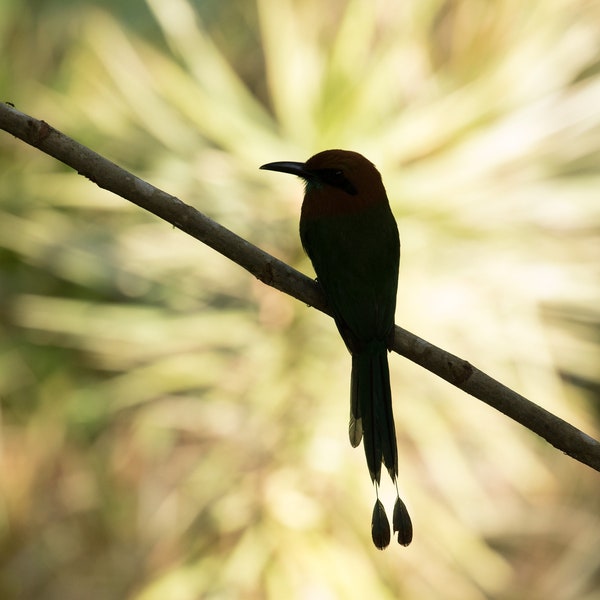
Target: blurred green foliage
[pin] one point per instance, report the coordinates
(172, 428)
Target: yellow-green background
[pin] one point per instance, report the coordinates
(173, 429)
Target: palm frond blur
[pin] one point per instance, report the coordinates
(172, 428)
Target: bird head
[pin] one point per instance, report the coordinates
(337, 181)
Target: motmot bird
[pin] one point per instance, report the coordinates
(350, 235)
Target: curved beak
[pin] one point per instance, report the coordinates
(295, 168)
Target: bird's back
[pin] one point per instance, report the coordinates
(356, 258)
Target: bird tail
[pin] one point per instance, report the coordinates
(371, 415)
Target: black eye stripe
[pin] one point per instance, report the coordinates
(336, 178)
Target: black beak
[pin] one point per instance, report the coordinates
(295, 168)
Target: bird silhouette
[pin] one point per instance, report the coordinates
(350, 235)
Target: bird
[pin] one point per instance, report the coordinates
(349, 233)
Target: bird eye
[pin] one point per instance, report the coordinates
(336, 178)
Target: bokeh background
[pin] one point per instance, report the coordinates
(172, 428)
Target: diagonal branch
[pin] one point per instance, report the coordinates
(279, 275)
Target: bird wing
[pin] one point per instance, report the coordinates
(357, 266)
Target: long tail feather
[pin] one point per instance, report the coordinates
(371, 410)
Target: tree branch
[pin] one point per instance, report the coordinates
(279, 275)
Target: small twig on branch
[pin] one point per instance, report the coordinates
(279, 275)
